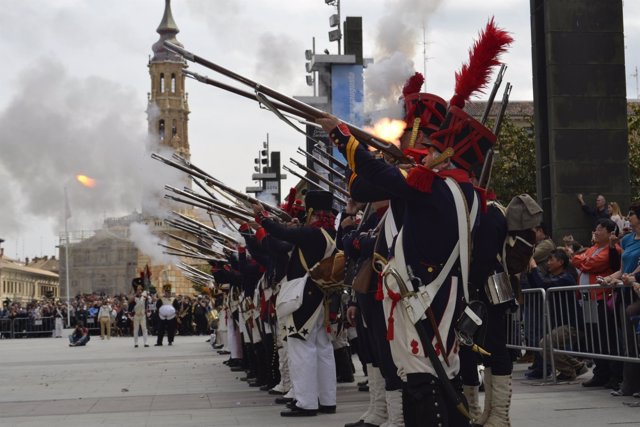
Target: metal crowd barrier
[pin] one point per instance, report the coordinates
(527, 326)
(603, 330)
(6, 328)
(22, 327)
(587, 321)
(93, 325)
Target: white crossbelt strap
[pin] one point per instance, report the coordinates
(465, 221)
(390, 228)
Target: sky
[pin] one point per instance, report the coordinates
(74, 84)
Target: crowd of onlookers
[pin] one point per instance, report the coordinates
(194, 314)
(599, 321)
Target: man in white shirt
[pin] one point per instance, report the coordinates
(139, 316)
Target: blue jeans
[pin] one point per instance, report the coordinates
(78, 341)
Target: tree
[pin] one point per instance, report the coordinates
(633, 121)
(514, 169)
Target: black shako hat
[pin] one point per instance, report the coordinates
(319, 200)
(137, 282)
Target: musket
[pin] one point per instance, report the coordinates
(206, 239)
(207, 205)
(214, 201)
(206, 227)
(195, 279)
(299, 106)
(248, 95)
(192, 244)
(189, 229)
(313, 183)
(321, 164)
(212, 182)
(323, 152)
(492, 95)
(450, 392)
(194, 256)
(487, 166)
(208, 208)
(195, 271)
(320, 177)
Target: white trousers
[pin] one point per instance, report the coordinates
(233, 339)
(140, 321)
(58, 326)
(312, 367)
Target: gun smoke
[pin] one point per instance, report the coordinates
(397, 39)
(58, 126)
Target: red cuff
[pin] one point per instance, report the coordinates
(261, 234)
(241, 249)
(244, 226)
(260, 216)
(340, 135)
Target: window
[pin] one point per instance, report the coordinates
(161, 82)
(174, 128)
(161, 129)
(173, 83)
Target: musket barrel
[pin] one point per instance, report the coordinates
(492, 95)
(321, 164)
(249, 95)
(320, 177)
(206, 227)
(487, 167)
(323, 153)
(363, 136)
(310, 182)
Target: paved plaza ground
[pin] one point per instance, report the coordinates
(43, 382)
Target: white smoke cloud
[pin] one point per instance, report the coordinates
(397, 39)
(141, 236)
(278, 59)
(58, 126)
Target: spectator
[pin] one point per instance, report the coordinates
(139, 312)
(601, 259)
(599, 212)
(104, 317)
(564, 313)
(544, 247)
(616, 216)
(93, 310)
(80, 336)
(59, 316)
(630, 260)
(82, 314)
(200, 316)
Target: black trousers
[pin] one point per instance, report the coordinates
(495, 342)
(167, 326)
(424, 403)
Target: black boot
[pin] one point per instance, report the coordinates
(344, 367)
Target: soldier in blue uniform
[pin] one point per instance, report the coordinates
(310, 351)
(426, 252)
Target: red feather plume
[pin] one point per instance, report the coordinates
(484, 54)
(413, 84)
(290, 199)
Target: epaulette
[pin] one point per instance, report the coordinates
(421, 178)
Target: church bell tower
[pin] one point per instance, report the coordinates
(168, 108)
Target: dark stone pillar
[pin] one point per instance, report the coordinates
(580, 109)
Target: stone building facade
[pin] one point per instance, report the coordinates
(24, 283)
